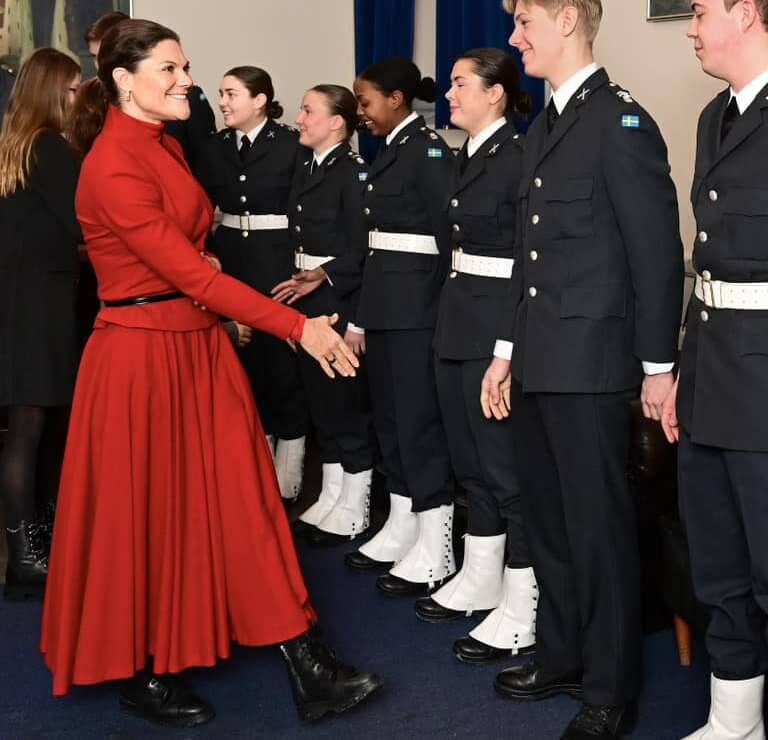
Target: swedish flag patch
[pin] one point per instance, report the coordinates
(630, 121)
(434, 153)
(362, 176)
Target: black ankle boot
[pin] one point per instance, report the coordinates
(27, 562)
(164, 700)
(320, 682)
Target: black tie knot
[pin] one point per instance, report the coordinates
(731, 116)
(552, 114)
(245, 147)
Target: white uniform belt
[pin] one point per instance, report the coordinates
(254, 222)
(414, 243)
(718, 294)
(473, 264)
(304, 261)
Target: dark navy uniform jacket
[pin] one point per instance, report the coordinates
(484, 204)
(723, 393)
(259, 185)
(406, 192)
(327, 208)
(599, 264)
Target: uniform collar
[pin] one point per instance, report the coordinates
(252, 134)
(321, 157)
(746, 96)
(568, 89)
(410, 119)
(475, 142)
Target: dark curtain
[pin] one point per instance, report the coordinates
(383, 28)
(468, 24)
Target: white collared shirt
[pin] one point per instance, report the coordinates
(474, 143)
(570, 87)
(320, 158)
(410, 119)
(749, 92)
(252, 134)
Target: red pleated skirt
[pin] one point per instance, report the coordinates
(171, 539)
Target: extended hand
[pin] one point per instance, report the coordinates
(327, 347)
(654, 392)
(669, 416)
(495, 389)
(300, 284)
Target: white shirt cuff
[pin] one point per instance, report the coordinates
(355, 329)
(503, 349)
(657, 368)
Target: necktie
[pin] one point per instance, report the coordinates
(245, 147)
(552, 114)
(463, 160)
(731, 116)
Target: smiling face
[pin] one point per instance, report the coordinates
(378, 112)
(539, 38)
(473, 105)
(158, 87)
(716, 34)
(319, 129)
(239, 109)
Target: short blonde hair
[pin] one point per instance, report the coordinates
(590, 12)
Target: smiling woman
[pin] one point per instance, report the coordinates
(662, 10)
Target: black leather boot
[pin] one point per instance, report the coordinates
(164, 700)
(27, 562)
(320, 682)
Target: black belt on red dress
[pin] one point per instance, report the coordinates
(141, 300)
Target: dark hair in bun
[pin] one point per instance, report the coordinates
(258, 82)
(496, 67)
(398, 73)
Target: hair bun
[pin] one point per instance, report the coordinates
(274, 109)
(427, 90)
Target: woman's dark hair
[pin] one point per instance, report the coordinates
(126, 44)
(341, 102)
(398, 73)
(496, 67)
(98, 29)
(258, 82)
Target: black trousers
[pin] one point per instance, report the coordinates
(482, 457)
(406, 416)
(273, 368)
(724, 506)
(340, 412)
(572, 451)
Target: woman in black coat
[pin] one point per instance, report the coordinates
(246, 169)
(328, 227)
(38, 285)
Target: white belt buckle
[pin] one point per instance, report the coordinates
(245, 223)
(456, 260)
(711, 291)
(298, 261)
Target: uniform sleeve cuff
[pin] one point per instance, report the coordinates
(355, 329)
(503, 349)
(657, 368)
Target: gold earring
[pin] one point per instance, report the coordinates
(126, 96)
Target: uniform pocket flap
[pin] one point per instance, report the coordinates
(594, 302)
(569, 190)
(746, 201)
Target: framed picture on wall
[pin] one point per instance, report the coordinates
(26, 25)
(664, 10)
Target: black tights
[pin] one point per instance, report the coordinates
(19, 462)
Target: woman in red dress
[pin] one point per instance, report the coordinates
(171, 539)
